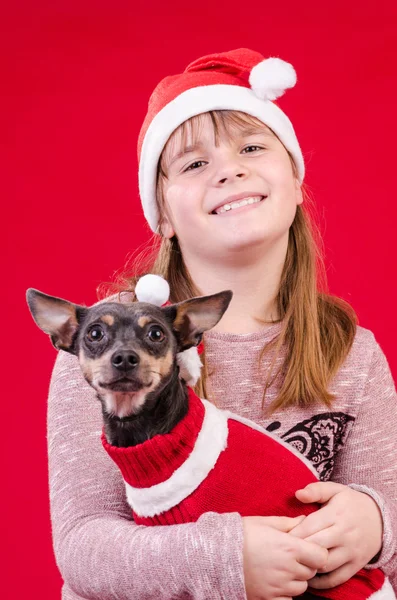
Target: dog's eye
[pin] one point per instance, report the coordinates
(156, 334)
(95, 334)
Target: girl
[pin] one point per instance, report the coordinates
(221, 175)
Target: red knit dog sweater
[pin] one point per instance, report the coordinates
(216, 461)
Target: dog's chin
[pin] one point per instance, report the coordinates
(124, 384)
(124, 397)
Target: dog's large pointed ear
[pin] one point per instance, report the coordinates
(192, 317)
(59, 318)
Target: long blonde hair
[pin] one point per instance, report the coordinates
(317, 329)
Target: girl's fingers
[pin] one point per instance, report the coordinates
(337, 577)
(327, 538)
(303, 573)
(321, 491)
(285, 524)
(311, 555)
(321, 519)
(296, 587)
(337, 558)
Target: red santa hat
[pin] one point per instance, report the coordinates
(241, 80)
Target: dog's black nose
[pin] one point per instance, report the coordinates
(125, 360)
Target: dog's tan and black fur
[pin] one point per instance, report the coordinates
(127, 353)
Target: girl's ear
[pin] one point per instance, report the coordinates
(299, 193)
(166, 228)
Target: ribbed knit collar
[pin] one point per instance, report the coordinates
(155, 460)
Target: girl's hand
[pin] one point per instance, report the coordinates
(349, 524)
(277, 565)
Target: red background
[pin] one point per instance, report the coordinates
(76, 78)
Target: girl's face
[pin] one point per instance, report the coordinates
(229, 192)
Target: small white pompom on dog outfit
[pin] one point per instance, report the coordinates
(154, 289)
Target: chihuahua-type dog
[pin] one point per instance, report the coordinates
(127, 353)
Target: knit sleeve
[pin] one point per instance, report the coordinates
(369, 458)
(100, 551)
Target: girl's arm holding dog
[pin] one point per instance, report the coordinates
(350, 522)
(99, 549)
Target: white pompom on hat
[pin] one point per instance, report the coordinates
(155, 290)
(241, 80)
(271, 77)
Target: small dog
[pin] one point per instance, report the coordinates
(179, 455)
(127, 353)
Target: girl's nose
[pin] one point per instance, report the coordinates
(231, 177)
(229, 171)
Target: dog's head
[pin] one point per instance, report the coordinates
(126, 351)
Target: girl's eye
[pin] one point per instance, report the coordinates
(194, 165)
(95, 334)
(156, 334)
(249, 148)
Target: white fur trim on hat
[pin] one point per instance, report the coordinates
(196, 101)
(270, 78)
(152, 289)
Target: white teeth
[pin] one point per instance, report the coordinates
(227, 207)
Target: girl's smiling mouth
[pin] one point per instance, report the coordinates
(238, 203)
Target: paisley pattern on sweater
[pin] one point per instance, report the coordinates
(319, 439)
